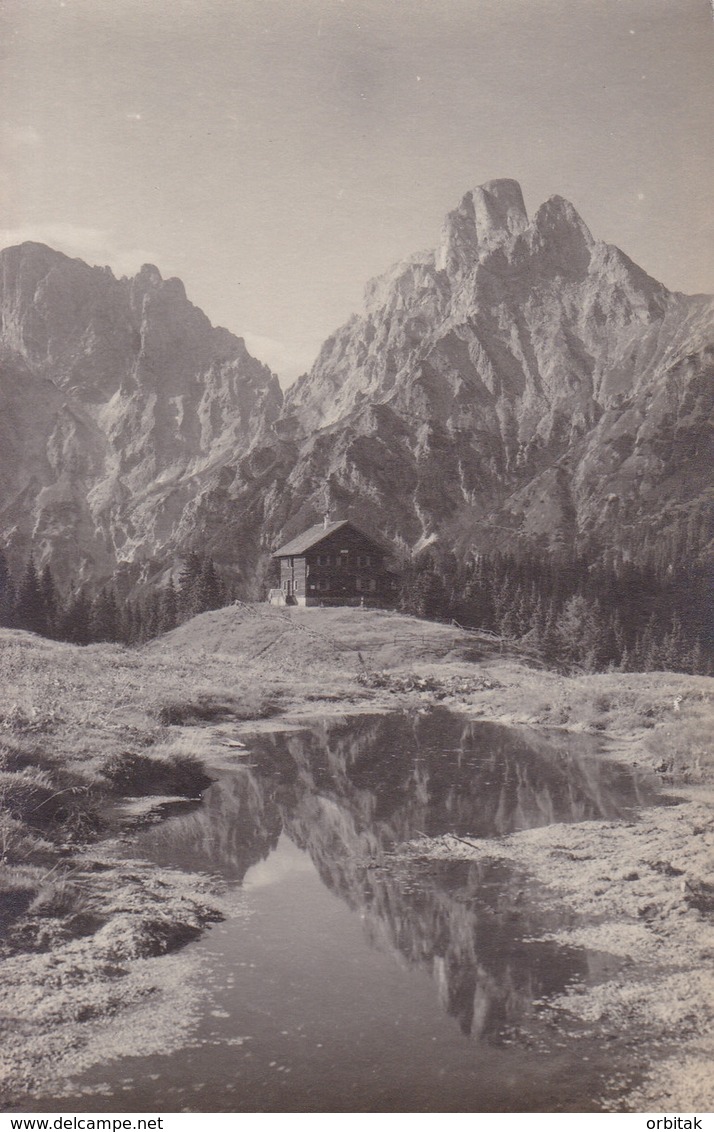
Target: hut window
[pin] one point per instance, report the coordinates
(366, 584)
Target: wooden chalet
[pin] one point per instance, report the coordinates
(333, 563)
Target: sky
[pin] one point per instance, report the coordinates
(277, 154)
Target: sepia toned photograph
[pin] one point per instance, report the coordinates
(356, 572)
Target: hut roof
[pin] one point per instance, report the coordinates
(310, 538)
(314, 535)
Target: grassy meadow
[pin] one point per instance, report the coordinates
(82, 726)
(83, 729)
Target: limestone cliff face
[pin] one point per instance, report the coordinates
(119, 401)
(523, 381)
(524, 378)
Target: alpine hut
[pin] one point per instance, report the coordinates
(334, 563)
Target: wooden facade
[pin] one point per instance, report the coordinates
(334, 563)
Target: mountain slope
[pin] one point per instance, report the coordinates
(513, 380)
(119, 398)
(524, 383)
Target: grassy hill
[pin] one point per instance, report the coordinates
(345, 638)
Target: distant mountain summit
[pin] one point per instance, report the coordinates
(522, 384)
(489, 308)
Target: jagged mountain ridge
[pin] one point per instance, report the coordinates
(120, 399)
(515, 379)
(524, 382)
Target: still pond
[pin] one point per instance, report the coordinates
(359, 981)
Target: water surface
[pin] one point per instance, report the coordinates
(364, 982)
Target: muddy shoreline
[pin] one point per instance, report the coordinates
(637, 890)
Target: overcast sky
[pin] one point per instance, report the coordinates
(276, 154)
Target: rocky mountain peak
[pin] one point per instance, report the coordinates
(31, 258)
(42, 294)
(516, 372)
(499, 210)
(119, 399)
(486, 218)
(496, 277)
(559, 234)
(558, 215)
(148, 276)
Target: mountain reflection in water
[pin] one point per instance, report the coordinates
(348, 790)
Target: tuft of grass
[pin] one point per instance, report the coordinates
(61, 805)
(440, 686)
(137, 774)
(214, 706)
(15, 757)
(683, 749)
(27, 795)
(57, 897)
(160, 935)
(39, 905)
(16, 896)
(18, 844)
(35, 721)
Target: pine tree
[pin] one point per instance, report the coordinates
(7, 593)
(535, 635)
(151, 617)
(619, 637)
(209, 592)
(579, 632)
(51, 602)
(649, 651)
(524, 610)
(75, 620)
(105, 618)
(626, 661)
(502, 598)
(30, 611)
(168, 611)
(674, 648)
(188, 588)
(508, 627)
(477, 607)
(130, 623)
(697, 662)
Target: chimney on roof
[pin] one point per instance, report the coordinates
(326, 519)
